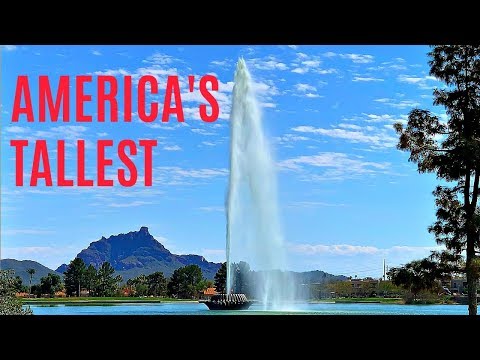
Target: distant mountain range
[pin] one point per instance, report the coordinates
(21, 267)
(138, 252)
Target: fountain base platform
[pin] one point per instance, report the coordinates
(228, 302)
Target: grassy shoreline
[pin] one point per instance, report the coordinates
(100, 300)
(361, 301)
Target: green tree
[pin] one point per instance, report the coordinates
(341, 288)
(50, 284)
(30, 272)
(192, 282)
(186, 282)
(19, 284)
(139, 285)
(106, 283)
(157, 284)
(9, 304)
(207, 284)
(368, 288)
(74, 276)
(388, 289)
(90, 279)
(451, 150)
(417, 276)
(221, 278)
(173, 286)
(37, 290)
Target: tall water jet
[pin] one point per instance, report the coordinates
(253, 228)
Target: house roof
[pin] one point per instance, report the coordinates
(209, 291)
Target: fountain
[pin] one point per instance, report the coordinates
(254, 235)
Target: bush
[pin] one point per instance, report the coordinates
(9, 304)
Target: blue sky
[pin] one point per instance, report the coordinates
(348, 198)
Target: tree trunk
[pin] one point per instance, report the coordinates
(471, 275)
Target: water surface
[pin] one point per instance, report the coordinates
(201, 309)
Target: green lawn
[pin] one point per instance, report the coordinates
(364, 300)
(99, 300)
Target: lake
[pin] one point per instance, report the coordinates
(193, 308)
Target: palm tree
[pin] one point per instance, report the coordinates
(30, 272)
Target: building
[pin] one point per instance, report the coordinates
(60, 294)
(458, 285)
(358, 284)
(208, 293)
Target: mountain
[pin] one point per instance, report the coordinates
(21, 266)
(138, 252)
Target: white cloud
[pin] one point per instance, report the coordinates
(399, 104)
(129, 204)
(199, 173)
(214, 255)
(355, 58)
(299, 70)
(223, 64)
(209, 143)
(203, 132)
(294, 47)
(374, 118)
(350, 126)
(8, 47)
(268, 63)
(102, 134)
(306, 90)
(350, 250)
(160, 59)
(335, 166)
(96, 53)
(396, 64)
(358, 58)
(329, 54)
(326, 71)
(367, 135)
(16, 129)
(50, 256)
(288, 139)
(66, 132)
(27, 232)
(423, 82)
(366, 79)
(342, 249)
(304, 87)
(21, 252)
(172, 148)
(309, 63)
(113, 72)
(161, 66)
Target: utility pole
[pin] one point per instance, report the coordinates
(384, 271)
